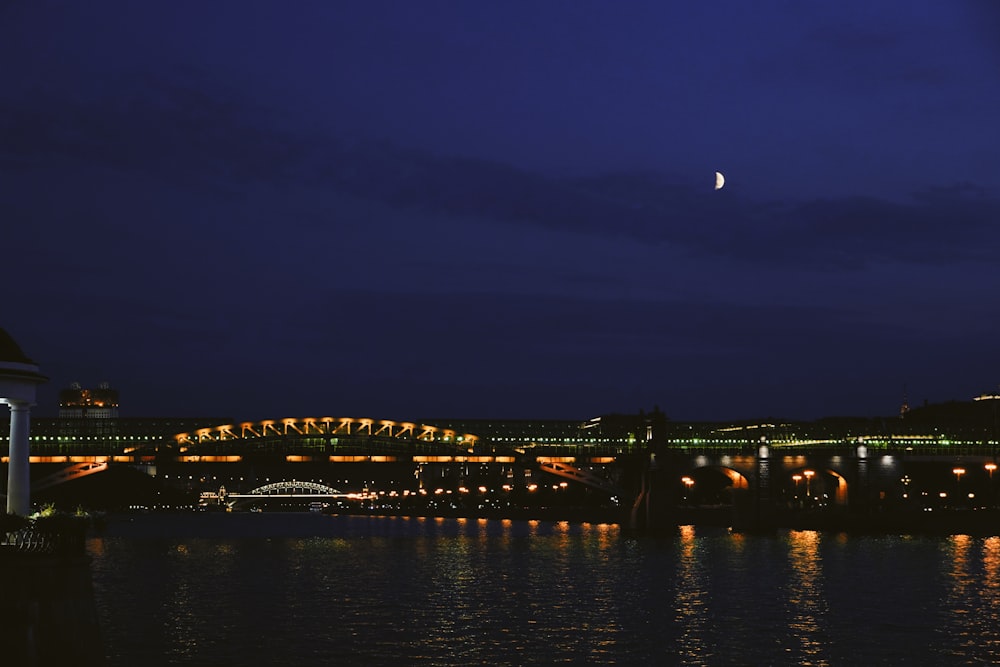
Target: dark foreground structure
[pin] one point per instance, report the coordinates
(48, 616)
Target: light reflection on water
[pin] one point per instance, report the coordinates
(806, 598)
(309, 589)
(691, 612)
(971, 605)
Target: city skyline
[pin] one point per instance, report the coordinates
(463, 210)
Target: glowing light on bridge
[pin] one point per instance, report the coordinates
(210, 459)
(82, 459)
(327, 426)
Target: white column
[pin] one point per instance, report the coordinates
(18, 473)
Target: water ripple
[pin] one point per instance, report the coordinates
(301, 589)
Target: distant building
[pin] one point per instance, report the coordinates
(75, 402)
(88, 424)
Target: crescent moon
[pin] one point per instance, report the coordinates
(720, 180)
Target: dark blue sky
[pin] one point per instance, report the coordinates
(463, 209)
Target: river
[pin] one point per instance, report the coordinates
(309, 589)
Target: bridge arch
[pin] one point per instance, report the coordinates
(278, 487)
(737, 479)
(710, 485)
(285, 490)
(839, 497)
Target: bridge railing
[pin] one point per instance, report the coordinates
(33, 540)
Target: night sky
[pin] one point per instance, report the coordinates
(409, 210)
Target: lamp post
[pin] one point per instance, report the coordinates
(688, 482)
(990, 467)
(958, 481)
(797, 478)
(808, 475)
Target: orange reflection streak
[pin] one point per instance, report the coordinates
(972, 605)
(806, 596)
(608, 533)
(959, 547)
(95, 545)
(991, 564)
(691, 601)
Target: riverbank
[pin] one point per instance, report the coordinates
(570, 514)
(977, 523)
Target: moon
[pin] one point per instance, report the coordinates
(720, 180)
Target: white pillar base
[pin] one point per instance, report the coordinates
(18, 471)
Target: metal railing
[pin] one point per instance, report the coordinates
(31, 540)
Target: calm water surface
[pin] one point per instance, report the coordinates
(307, 589)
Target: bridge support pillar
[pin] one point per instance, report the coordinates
(665, 503)
(757, 512)
(654, 509)
(765, 503)
(640, 517)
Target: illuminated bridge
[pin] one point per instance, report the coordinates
(853, 463)
(352, 440)
(284, 490)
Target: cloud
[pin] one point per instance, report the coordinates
(207, 142)
(173, 129)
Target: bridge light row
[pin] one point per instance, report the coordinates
(326, 425)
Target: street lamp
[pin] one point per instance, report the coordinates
(809, 475)
(958, 480)
(990, 467)
(688, 482)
